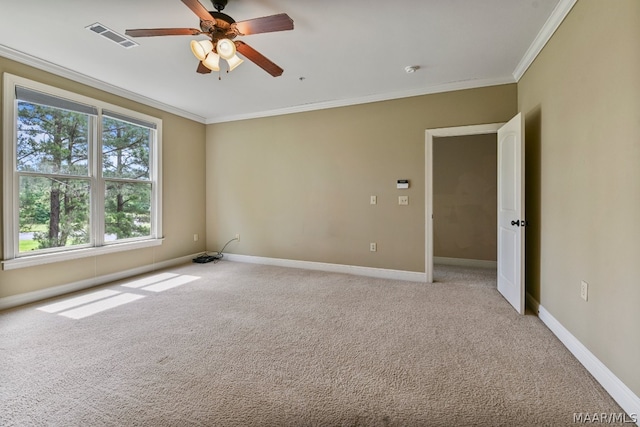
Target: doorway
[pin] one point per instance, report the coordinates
(465, 194)
(511, 222)
(430, 135)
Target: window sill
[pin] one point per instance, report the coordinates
(34, 260)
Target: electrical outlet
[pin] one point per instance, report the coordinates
(373, 247)
(403, 200)
(238, 237)
(195, 237)
(584, 290)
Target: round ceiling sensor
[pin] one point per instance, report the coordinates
(411, 68)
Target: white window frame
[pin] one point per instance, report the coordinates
(12, 258)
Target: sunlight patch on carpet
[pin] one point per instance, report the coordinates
(171, 283)
(74, 302)
(149, 280)
(97, 307)
(96, 302)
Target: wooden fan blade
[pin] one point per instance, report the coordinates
(266, 24)
(202, 69)
(259, 59)
(197, 8)
(151, 32)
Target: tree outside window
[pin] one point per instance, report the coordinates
(125, 166)
(52, 158)
(83, 176)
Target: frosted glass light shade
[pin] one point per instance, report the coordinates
(201, 48)
(212, 62)
(234, 61)
(226, 48)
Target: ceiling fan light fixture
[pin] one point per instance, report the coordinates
(234, 61)
(212, 62)
(226, 49)
(201, 48)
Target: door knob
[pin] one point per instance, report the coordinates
(516, 223)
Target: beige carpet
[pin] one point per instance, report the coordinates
(250, 345)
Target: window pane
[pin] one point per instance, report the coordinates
(125, 149)
(53, 212)
(127, 210)
(52, 140)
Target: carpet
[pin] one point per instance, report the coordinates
(234, 344)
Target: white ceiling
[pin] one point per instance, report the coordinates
(341, 52)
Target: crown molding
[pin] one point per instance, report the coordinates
(560, 12)
(554, 21)
(445, 87)
(58, 70)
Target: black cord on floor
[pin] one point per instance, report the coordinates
(217, 256)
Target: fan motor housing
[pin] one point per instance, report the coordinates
(223, 16)
(220, 28)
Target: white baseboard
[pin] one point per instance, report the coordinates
(532, 303)
(626, 398)
(629, 402)
(463, 262)
(29, 297)
(382, 273)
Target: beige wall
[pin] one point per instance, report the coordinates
(465, 190)
(183, 197)
(581, 98)
(298, 186)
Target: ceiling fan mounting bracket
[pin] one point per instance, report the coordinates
(219, 4)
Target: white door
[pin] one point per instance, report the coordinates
(511, 226)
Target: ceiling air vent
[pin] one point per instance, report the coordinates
(98, 28)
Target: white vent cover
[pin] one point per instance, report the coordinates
(108, 33)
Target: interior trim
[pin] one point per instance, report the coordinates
(428, 178)
(550, 26)
(34, 296)
(48, 258)
(52, 68)
(381, 273)
(622, 394)
(41, 64)
(548, 29)
(465, 262)
(445, 87)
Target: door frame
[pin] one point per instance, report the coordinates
(428, 177)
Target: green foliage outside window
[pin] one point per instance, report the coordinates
(52, 154)
(53, 162)
(125, 165)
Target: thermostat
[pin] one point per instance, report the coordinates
(403, 183)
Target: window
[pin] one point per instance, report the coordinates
(81, 177)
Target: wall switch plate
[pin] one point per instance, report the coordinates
(373, 247)
(584, 290)
(374, 200)
(403, 200)
(195, 237)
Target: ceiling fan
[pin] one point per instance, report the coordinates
(222, 30)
